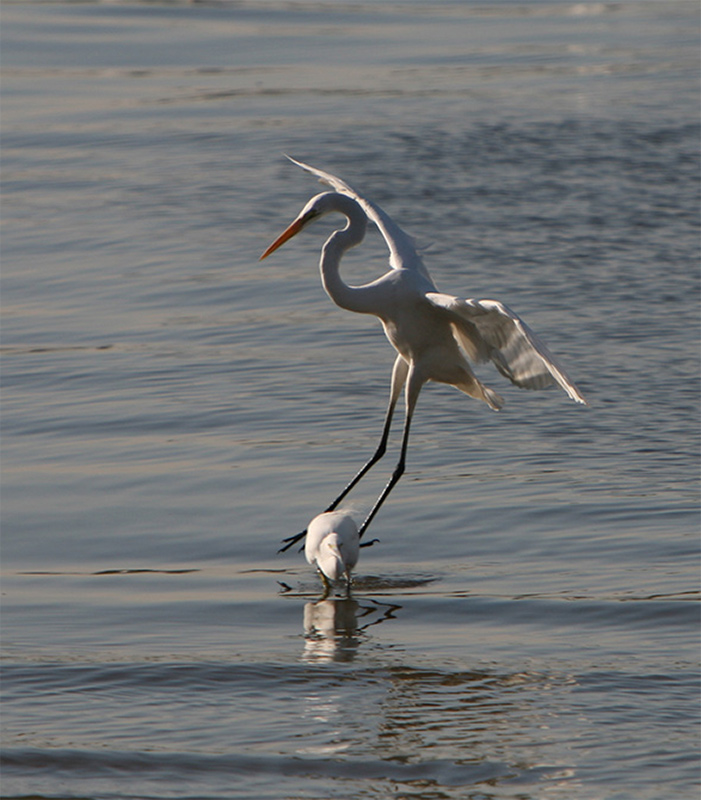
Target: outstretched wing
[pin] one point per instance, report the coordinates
(489, 330)
(402, 250)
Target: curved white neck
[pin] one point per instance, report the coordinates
(352, 298)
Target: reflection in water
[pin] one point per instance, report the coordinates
(330, 630)
(331, 626)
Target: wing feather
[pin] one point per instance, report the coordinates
(489, 330)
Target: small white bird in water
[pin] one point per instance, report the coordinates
(333, 545)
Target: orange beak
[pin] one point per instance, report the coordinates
(288, 233)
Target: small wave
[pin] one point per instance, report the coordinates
(185, 766)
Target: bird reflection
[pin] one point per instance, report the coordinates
(332, 631)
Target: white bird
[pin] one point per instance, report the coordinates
(332, 545)
(435, 335)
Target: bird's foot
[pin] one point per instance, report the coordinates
(370, 543)
(291, 540)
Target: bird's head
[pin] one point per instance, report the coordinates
(315, 208)
(325, 203)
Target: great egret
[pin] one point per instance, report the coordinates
(333, 545)
(434, 334)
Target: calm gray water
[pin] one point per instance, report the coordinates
(528, 625)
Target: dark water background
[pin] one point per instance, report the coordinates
(527, 626)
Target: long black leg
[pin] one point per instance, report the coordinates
(399, 374)
(412, 393)
(396, 475)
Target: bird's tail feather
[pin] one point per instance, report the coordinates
(475, 388)
(494, 401)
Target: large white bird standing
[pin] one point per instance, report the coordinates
(435, 335)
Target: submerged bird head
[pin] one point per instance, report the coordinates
(331, 558)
